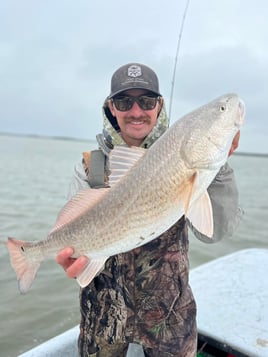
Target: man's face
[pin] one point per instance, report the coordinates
(136, 123)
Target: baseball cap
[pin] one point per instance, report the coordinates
(134, 76)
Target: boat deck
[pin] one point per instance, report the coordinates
(232, 302)
(232, 309)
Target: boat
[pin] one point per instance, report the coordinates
(231, 293)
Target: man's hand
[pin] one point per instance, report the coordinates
(235, 143)
(72, 266)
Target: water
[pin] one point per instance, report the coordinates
(35, 174)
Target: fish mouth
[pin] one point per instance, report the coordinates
(241, 112)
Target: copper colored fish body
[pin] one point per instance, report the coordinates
(149, 191)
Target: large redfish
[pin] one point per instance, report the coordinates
(149, 191)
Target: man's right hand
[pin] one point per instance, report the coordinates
(72, 266)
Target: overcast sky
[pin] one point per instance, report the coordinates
(57, 58)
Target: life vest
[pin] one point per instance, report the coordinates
(96, 163)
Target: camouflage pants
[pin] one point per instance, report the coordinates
(143, 297)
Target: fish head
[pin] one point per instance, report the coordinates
(211, 130)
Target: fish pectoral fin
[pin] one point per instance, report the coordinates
(186, 192)
(201, 216)
(94, 267)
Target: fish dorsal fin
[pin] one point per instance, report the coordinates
(201, 216)
(78, 205)
(121, 160)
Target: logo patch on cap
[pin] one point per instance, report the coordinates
(134, 71)
(134, 76)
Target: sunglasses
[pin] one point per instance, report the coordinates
(124, 103)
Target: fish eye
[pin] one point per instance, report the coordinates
(222, 107)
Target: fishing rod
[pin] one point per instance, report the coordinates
(176, 58)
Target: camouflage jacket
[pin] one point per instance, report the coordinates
(142, 296)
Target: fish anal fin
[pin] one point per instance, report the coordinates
(83, 201)
(201, 216)
(92, 269)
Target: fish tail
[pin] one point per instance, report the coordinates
(25, 268)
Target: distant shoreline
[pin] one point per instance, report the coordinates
(68, 138)
(52, 137)
(257, 154)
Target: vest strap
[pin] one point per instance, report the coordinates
(94, 163)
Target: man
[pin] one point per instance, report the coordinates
(142, 301)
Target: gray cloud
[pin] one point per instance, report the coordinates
(56, 60)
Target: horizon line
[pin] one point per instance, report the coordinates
(70, 138)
